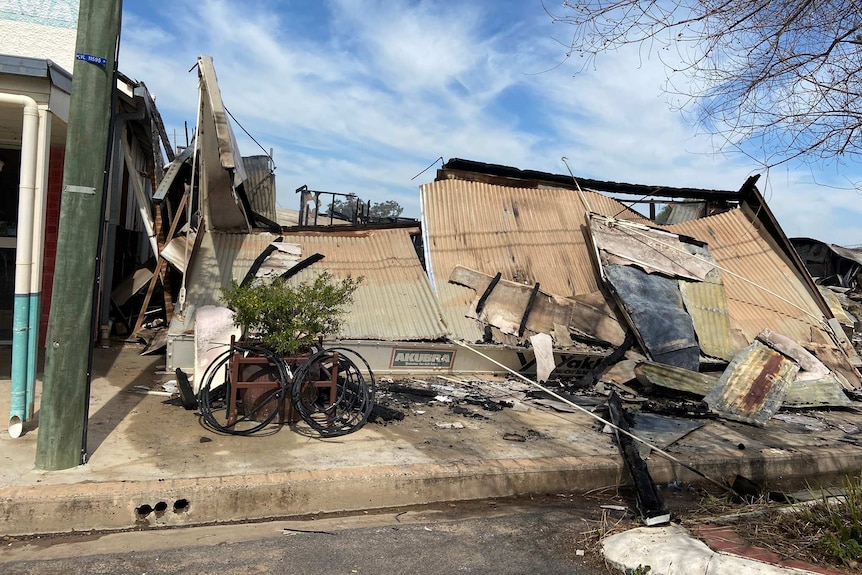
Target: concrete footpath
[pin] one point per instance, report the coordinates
(152, 463)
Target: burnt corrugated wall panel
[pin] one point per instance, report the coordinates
(393, 302)
(529, 235)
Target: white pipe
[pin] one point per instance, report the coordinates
(43, 156)
(23, 257)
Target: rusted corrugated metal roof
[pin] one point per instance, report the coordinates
(394, 302)
(753, 386)
(528, 235)
(762, 289)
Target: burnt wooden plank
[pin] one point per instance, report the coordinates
(649, 500)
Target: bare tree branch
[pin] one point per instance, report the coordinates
(786, 74)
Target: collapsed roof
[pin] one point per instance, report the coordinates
(504, 254)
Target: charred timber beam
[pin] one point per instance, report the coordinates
(530, 303)
(649, 499)
(480, 305)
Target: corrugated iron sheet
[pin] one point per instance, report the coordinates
(650, 249)
(685, 211)
(259, 186)
(706, 303)
(287, 217)
(753, 386)
(394, 302)
(651, 374)
(171, 172)
(762, 289)
(655, 309)
(823, 392)
(529, 235)
(835, 307)
(221, 164)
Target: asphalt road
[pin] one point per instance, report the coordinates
(497, 538)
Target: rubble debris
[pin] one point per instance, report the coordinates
(621, 373)
(670, 288)
(837, 307)
(625, 392)
(562, 336)
(651, 375)
(560, 406)
(678, 408)
(597, 315)
(660, 430)
(626, 243)
(486, 403)
(593, 375)
(514, 437)
(587, 402)
(449, 425)
(801, 393)
(809, 366)
(158, 341)
(831, 356)
(383, 414)
(807, 423)
(543, 351)
(649, 500)
(412, 390)
(457, 409)
(823, 392)
(753, 386)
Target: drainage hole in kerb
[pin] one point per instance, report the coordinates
(143, 511)
(181, 505)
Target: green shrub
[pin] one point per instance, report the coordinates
(286, 317)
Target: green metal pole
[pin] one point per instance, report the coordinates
(63, 410)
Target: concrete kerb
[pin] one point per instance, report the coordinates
(185, 502)
(114, 505)
(774, 465)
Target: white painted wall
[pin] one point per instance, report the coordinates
(40, 29)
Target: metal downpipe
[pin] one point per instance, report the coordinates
(23, 260)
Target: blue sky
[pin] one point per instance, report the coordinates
(360, 96)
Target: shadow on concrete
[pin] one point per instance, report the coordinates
(124, 368)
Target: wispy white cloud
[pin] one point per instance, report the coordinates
(359, 97)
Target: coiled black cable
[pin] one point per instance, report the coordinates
(210, 395)
(354, 396)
